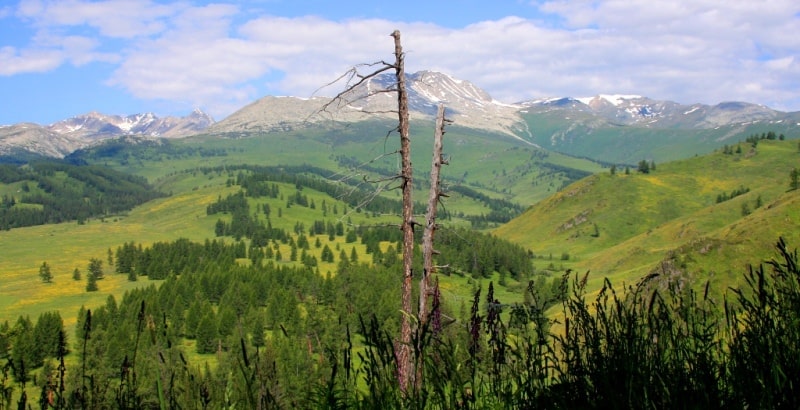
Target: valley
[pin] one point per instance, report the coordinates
(280, 239)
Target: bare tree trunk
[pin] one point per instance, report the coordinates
(405, 361)
(430, 217)
(407, 374)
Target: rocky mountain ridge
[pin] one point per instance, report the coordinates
(467, 106)
(634, 110)
(64, 137)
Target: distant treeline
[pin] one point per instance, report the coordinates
(260, 182)
(126, 149)
(65, 192)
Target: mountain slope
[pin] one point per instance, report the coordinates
(63, 137)
(624, 226)
(626, 129)
(467, 106)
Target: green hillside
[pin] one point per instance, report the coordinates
(586, 135)
(46, 192)
(495, 165)
(623, 226)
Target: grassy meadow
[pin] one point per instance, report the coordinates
(618, 226)
(68, 246)
(623, 226)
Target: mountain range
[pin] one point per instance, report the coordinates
(560, 124)
(66, 136)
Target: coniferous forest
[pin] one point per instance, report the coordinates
(286, 337)
(249, 318)
(57, 192)
(226, 323)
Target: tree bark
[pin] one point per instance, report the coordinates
(430, 217)
(405, 361)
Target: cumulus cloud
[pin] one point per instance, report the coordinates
(222, 57)
(14, 61)
(114, 18)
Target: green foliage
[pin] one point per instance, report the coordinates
(644, 167)
(45, 274)
(736, 192)
(207, 334)
(764, 325)
(95, 268)
(91, 282)
(67, 192)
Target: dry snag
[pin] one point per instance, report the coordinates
(406, 369)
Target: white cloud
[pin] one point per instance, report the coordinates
(13, 61)
(114, 18)
(220, 57)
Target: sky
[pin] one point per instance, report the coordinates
(63, 58)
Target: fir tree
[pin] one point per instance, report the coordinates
(45, 274)
(91, 282)
(206, 334)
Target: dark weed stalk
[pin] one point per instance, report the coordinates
(6, 390)
(764, 327)
(127, 393)
(79, 397)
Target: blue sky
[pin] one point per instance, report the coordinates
(64, 58)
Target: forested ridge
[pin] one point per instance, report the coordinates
(54, 192)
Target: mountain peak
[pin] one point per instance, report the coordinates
(613, 99)
(467, 105)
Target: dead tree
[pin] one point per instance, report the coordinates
(405, 361)
(434, 195)
(407, 372)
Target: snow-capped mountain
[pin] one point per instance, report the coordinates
(643, 111)
(66, 136)
(466, 104)
(562, 123)
(94, 125)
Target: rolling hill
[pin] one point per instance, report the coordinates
(700, 218)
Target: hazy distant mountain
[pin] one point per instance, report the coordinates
(66, 136)
(643, 111)
(466, 104)
(94, 125)
(606, 127)
(629, 128)
(34, 138)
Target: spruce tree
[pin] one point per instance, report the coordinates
(91, 282)
(96, 268)
(206, 334)
(44, 273)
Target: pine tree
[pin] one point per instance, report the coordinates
(91, 282)
(45, 274)
(258, 331)
(206, 334)
(96, 268)
(644, 167)
(76, 274)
